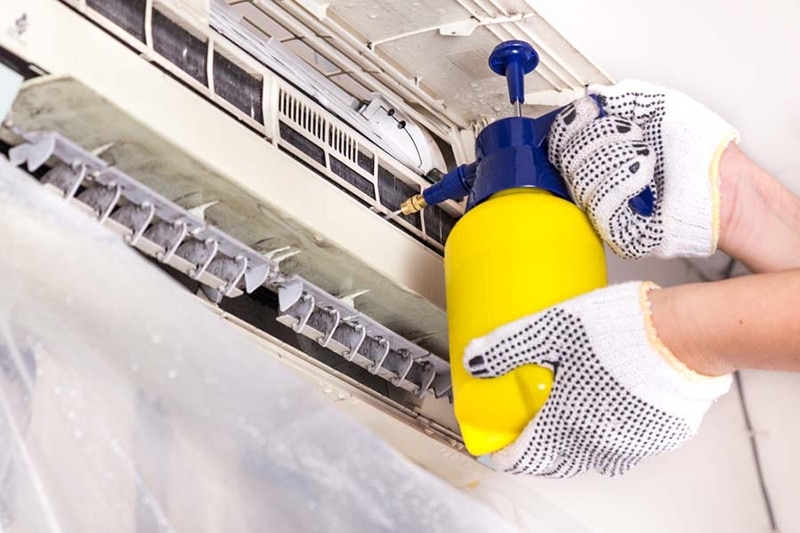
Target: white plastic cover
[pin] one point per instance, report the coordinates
(126, 406)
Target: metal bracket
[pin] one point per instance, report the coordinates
(304, 319)
(351, 354)
(427, 382)
(375, 368)
(226, 291)
(404, 372)
(324, 340)
(200, 270)
(69, 194)
(111, 205)
(139, 231)
(183, 231)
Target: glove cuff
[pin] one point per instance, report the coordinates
(627, 345)
(692, 206)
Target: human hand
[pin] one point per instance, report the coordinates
(644, 136)
(618, 396)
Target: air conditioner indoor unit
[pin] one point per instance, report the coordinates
(258, 152)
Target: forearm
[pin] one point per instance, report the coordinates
(748, 322)
(760, 218)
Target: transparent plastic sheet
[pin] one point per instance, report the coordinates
(126, 406)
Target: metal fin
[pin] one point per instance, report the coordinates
(200, 210)
(289, 293)
(255, 277)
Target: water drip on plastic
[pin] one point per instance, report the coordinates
(392, 214)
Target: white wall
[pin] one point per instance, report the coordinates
(736, 56)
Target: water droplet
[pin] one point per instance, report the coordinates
(327, 390)
(473, 84)
(172, 374)
(373, 16)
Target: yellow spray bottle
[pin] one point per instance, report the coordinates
(521, 246)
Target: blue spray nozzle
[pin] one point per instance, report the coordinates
(514, 59)
(455, 185)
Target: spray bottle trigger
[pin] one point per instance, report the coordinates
(599, 101)
(643, 202)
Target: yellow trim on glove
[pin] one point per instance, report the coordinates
(658, 345)
(713, 179)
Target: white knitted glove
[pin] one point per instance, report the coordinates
(618, 396)
(646, 137)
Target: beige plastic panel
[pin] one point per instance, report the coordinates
(401, 39)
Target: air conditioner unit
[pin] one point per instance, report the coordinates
(257, 151)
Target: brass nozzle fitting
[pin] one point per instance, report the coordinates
(413, 205)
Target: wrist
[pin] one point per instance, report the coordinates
(618, 321)
(760, 218)
(734, 179)
(683, 344)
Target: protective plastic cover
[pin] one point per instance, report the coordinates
(126, 406)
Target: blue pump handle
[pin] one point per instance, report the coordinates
(514, 59)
